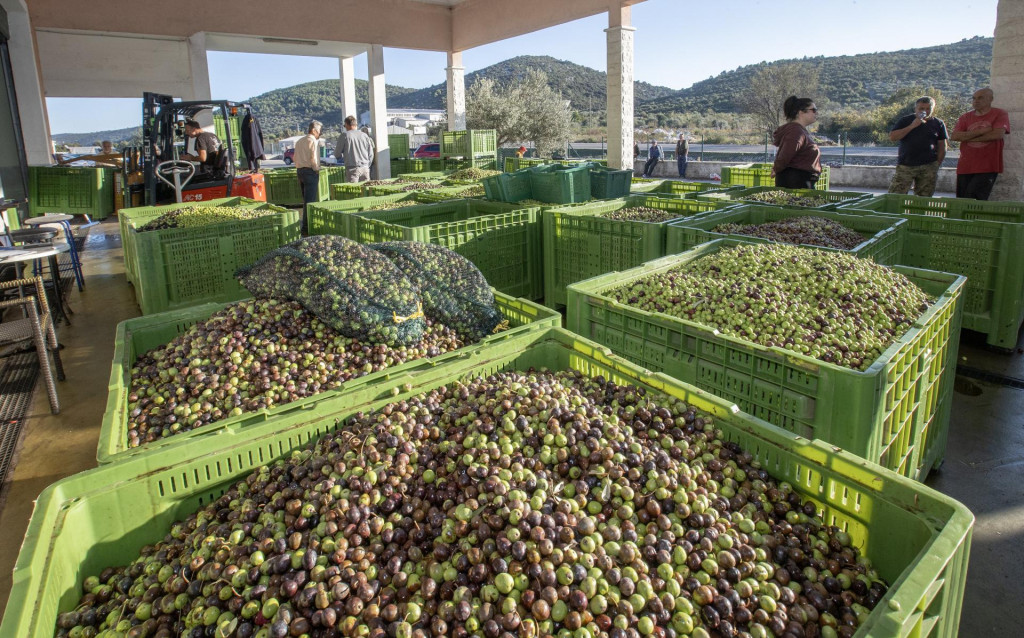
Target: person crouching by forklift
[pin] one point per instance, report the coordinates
(207, 145)
(307, 161)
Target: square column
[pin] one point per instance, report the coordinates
(456, 92)
(347, 85)
(35, 125)
(200, 71)
(1008, 87)
(379, 109)
(620, 96)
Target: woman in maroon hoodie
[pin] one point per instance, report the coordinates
(798, 160)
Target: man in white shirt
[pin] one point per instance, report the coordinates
(307, 161)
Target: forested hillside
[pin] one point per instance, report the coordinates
(849, 81)
(852, 81)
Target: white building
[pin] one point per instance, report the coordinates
(423, 116)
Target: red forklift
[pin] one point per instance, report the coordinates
(167, 178)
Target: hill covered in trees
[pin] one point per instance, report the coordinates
(286, 111)
(851, 81)
(585, 88)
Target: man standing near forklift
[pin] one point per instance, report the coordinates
(207, 144)
(358, 151)
(307, 161)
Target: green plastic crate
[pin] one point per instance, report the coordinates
(469, 143)
(328, 218)
(71, 190)
(181, 267)
(833, 199)
(759, 174)
(399, 187)
(883, 236)
(919, 539)
(580, 244)
(645, 185)
(503, 241)
(347, 190)
(874, 413)
(398, 144)
(450, 192)
(283, 187)
(513, 164)
(235, 124)
(508, 187)
(955, 235)
(135, 217)
(677, 188)
(609, 184)
(487, 162)
(947, 207)
(137, 336)
(421, 165)
(335, 175)
(399, 166)
(561, 184)
(424, 175)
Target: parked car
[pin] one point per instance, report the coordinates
(289, 156)
(427, 151)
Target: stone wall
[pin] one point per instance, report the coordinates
(851, 177)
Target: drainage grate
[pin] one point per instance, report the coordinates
(990, 377)
(17, 380)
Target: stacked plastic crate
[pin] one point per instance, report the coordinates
(398, 143)
(469, 149)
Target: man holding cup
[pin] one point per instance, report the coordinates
(922, 139)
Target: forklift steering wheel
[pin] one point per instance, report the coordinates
(176, 169)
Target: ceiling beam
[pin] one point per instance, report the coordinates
(392, 23)
(479, 22)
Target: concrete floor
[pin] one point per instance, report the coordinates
(984, 466)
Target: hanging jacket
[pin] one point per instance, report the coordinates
(252, 141)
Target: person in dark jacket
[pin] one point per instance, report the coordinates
(682, 150)
(252, 141)
(798, 160)
(653, 157)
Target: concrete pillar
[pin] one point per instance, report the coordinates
(199, 67)
(347, 84)
(35, 126)
(456, 92)
(620, 86)
(379, 109)
(1008, 86)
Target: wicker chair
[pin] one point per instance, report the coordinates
(36, 326)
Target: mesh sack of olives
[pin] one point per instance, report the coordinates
(453, 289)
(352, 288)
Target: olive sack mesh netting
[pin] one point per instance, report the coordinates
(352, 288)
(453, 289)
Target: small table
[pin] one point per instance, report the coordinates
(32, 253)
(65, 222)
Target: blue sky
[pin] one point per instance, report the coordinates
(678, 42)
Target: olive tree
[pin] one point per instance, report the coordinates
(525, 110)
(769, 88)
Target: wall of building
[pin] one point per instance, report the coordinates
(91, 65)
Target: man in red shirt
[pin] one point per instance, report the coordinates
(980, 133)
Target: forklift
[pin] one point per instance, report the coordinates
(166, 178)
